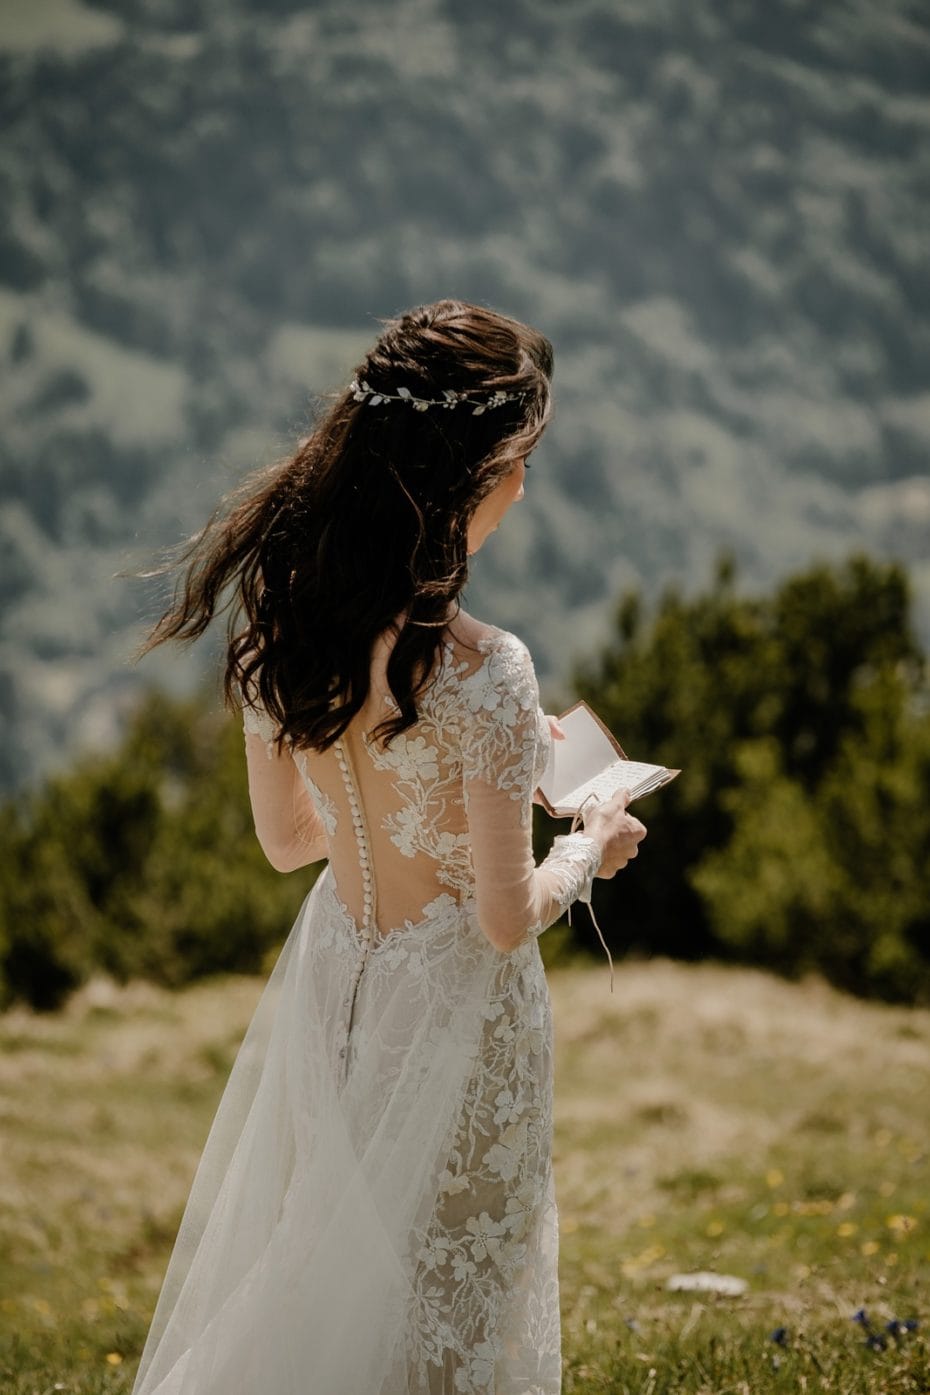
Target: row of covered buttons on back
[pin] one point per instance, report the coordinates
(359, 827)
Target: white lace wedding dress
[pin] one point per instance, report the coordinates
(374, 1213)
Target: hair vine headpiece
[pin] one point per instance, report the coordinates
(449, 399)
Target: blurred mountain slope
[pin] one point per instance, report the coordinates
(717, 214)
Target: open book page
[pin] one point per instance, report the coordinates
(590, 764)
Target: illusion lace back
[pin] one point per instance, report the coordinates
(374, 1212)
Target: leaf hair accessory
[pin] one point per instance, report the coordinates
(449, 399)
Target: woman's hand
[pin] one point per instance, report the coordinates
(555, 726)
(618, 833)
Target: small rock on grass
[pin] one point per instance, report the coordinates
(704, 1281)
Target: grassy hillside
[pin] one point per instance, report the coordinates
(708, 1119)
(715, 211)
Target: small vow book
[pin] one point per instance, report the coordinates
(591, 765)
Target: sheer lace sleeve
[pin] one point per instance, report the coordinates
(287, 824)
(501, 724)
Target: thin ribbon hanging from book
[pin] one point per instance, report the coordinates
(600, 934)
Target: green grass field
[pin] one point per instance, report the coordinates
(708, 1119)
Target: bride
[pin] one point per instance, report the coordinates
(374, 1212)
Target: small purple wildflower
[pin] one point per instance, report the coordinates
(860, 1316)
(779, 1336)
(876, 1341)
(898, 1326)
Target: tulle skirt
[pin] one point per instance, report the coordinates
(373, 1213)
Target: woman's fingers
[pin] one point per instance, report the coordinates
(619, 800)
(619, 832)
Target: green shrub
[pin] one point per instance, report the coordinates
(142, 863)
(798, 834)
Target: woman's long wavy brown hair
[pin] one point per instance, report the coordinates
(364, 528)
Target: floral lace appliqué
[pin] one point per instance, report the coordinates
(324, 805)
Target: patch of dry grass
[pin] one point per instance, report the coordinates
(707, 1118)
